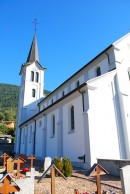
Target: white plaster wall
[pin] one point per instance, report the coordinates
(30, 139)
(74, 83)
(102, 123)
(39, 138)
(51, 149)
(73, 143)
(103, 66)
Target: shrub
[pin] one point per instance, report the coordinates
(67, 167)
(64, 165)
(59, 164)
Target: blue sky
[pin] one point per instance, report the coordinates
(69, 34)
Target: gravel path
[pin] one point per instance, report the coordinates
(78, 181)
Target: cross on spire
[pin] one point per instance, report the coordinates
(35, 24)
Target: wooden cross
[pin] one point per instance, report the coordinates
(97, 170)
(31, 157)
(4, 156)
(52, 168)
(98, 180)
(6, 188)
(19, 161)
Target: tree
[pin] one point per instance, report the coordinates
(3, 129)
(2, 116)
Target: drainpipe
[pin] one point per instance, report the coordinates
(34, 142)
(20, 139)
(82, 93)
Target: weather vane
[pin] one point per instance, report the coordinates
(35, 24)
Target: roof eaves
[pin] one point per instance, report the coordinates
(56, 102)
(78, 71)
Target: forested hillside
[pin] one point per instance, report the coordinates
(9, 96)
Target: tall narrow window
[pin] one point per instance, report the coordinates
(23, 135)
(33, 93)
(30, 134)
(72, 117)
(98, 71)
(77, 84)
(129, 74)
(32, 76)
(63, 93)
(53, 125)
(37, 77)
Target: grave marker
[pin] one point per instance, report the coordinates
(4, 156)
(52, 168)
(47, 163)
(97, 170)
(18, 161)
(31, 157)
(7, 186)
(10, 165)
(32, 173)
(125, 179)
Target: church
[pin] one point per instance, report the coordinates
(88, 114)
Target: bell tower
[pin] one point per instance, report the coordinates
(31, 89)
(32, 83)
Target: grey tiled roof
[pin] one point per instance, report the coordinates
(33, 53)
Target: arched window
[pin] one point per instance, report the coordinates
(77, 84)
(33, 93)
(32, 76)
(53, 125)
(37, 77)
(98, 71)
(72, 117)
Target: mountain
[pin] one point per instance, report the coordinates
(9, 96)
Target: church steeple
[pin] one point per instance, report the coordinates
(33, 53)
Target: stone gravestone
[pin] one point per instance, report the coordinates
(125, 179)
(47, 163)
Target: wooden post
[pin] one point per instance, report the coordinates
(98, 180)
(52, 180)
(10, 165)
(31, 157)
(6, 188)
(4, 156)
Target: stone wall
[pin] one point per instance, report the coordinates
(113, 166)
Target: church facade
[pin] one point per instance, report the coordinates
(88, 114)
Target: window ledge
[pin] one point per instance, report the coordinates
(52, 136)
(71, 131)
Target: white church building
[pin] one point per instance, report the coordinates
(88, 114)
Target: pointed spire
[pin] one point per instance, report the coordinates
(33, 53)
